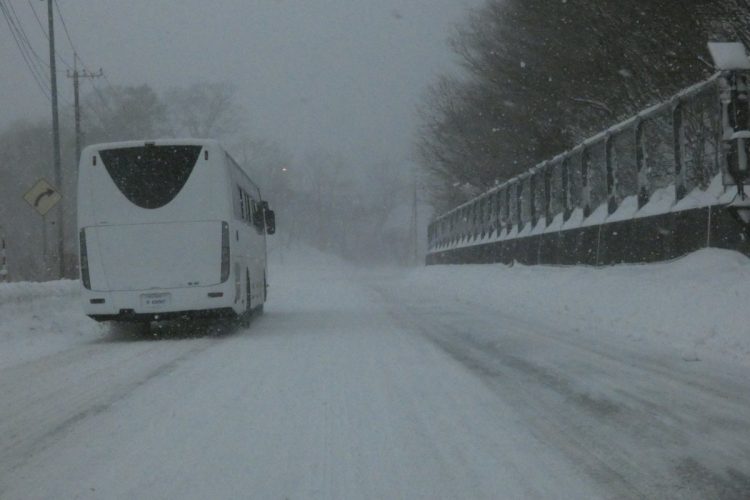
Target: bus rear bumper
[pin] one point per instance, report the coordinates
(156, 305)
(128, 315)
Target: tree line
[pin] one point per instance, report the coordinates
(536, 77)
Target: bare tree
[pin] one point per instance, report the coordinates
(124, 113)
(540, 76)
(205, 110)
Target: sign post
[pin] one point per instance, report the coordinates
(42, 197)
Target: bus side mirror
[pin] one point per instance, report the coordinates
(270, 221)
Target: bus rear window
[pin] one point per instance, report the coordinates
(150, 176)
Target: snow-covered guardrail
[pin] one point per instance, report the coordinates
(647, 189)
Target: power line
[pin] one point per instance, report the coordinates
(39, 79)
(36, 64)
(108, 82)
(67, 35)
(22, 33)
(75, 51)
(38, 21)
(98, 116)
(72, 46)
(41, 66)
(46, 36)
(100, 95)
(65, 27)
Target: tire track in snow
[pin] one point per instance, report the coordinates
(689, 440)
(43, 400)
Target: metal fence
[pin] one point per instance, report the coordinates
(645, 164)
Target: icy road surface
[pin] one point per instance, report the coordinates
(362, 384)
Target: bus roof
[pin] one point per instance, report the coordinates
(154, 142)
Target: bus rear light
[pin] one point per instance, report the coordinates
(85, 278)
(224, 252)
(97, 301)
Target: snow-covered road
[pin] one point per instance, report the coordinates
(363, 384)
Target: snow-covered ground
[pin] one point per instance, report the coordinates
(697, 305)
(38, 319)
(439, 382)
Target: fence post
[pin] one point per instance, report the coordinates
(565, 172)
(489, 216)
(506, 208)
(547, 193)
(453, 228)
(641, 162)
(519, 204)
(464, 225)
(585, 187)
(498, 212)
(478, 218)
(532, 199)
(679, 152)
(611, 175)
(473, 229)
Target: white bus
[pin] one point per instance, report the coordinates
(169, 229)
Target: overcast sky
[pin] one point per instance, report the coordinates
(341, 75)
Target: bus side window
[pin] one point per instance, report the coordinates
(242, 203)
(247, 208)
(257, 215)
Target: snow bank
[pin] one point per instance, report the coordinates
(696, 304)
(25, 290)
(38, 319)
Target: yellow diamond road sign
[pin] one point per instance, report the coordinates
(42, 197)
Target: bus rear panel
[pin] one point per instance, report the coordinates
(155, 227)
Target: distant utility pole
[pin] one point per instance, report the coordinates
(76, 75)
(56, 137)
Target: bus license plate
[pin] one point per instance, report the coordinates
(154, 300)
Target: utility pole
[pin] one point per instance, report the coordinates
(56, 138)
(76, 75)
